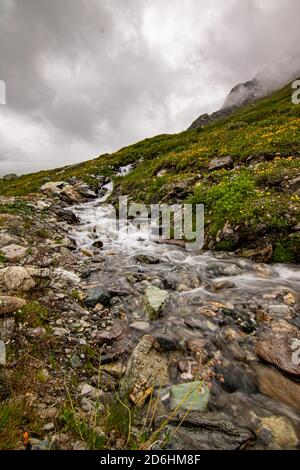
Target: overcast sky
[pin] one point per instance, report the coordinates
(85, 77)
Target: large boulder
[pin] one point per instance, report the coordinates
(155, 300)
(65, 214)
(280, 346)
(220, 162)
(97, 295)
(9, 304)
(16, 278)
(53, 187)
(69, 195)
(147, 363)
(85, 191)
(207, 431)
(283, 432)
(277, 386)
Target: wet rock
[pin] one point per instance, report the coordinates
(221, 285)
(140, 325)
(220, 162)
(147, 364)
(237, 377)
(170, 281)
(209, 431)
(282, 430)
(97, 295)
(14, 252)
(65, 214)
(155, 300)
(196, 345)
(69, 195)
(16, 278)
(9, 304)
(280, 346)
(277, 386)
(242, 316)
(289, 298)
(107, 337)
(166, 342)
(281, 311)
(98, 244)
(85, 191)
(218, 270)
(146, 259)
(191, 396)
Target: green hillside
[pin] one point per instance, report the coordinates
(251, 201)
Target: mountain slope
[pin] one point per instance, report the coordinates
(251, 192)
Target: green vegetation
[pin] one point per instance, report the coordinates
(34, 314)
(18, 207)
(15, 415)
(263, 140)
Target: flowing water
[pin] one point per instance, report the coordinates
(199, 283)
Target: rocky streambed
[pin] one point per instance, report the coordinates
(213, 341)
(222, 332)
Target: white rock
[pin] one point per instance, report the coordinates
(67, 276)
(53, 187)
(42, 205)
(14, 252)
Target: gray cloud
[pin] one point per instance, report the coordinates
(87, 77)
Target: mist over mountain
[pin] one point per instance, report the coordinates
(271, 78)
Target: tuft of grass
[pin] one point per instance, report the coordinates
(34, 314)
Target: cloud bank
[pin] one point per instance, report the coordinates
(88, 77)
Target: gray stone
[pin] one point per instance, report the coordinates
(220, 162)
(97, 295)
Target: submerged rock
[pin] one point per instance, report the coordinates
(277, 386)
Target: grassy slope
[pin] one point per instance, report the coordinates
(250, 196)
